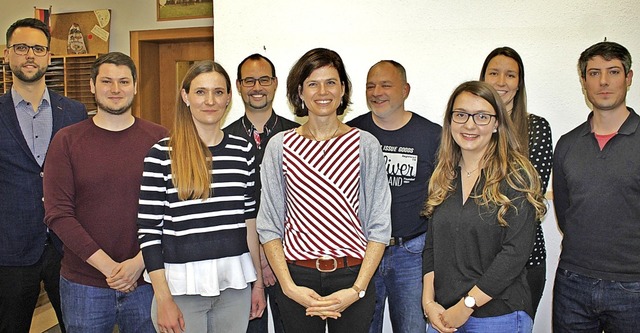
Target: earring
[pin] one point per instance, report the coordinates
(495, 130)
(187, 103)
(302, 105)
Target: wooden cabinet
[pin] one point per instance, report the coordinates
(68, 75)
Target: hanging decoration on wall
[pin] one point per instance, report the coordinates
(183, 9)
(75, 41)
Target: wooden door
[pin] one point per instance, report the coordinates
(173, 56)
(160, 56)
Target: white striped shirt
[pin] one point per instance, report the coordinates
(322, 190)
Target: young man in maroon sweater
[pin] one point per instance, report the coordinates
(91, 187)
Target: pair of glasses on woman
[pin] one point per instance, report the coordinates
(479, 119)
(23, 49)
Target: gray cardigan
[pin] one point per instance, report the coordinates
(375, 196)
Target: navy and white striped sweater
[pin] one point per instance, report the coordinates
(179, 231)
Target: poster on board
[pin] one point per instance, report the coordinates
(80, 32)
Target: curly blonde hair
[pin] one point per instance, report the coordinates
(503, 160)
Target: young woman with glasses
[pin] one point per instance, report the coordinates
(484, 201)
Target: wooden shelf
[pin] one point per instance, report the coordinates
(68, 75)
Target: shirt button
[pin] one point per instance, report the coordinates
(41, 174)
(42, 199)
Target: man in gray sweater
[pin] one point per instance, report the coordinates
(596, 185)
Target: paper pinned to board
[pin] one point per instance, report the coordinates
(96, 40)
(100, 33)
(103, 16)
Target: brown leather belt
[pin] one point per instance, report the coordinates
(327, 264)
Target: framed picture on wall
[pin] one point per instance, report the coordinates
(183, 9)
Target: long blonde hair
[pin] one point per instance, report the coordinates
(191, 160)
(502, 160)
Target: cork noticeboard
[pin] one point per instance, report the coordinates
(90, 28)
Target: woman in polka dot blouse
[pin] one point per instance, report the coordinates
(504, 70)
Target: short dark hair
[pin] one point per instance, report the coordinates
(116, 58)
(256, 57)
(309, 62)
(29, 23)
(607, 50)
(397, 65)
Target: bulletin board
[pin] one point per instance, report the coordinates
(90, 27)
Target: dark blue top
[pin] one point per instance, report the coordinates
(410, 154)
(22, 230)
(596, 194)
(466, 246)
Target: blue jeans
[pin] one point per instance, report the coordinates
(584, 304)
(93, 309)
(514, 322)
(399, 278)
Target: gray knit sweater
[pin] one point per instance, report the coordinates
(375, 195)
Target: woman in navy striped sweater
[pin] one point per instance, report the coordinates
(197, 215)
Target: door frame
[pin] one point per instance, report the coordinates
(145, 45)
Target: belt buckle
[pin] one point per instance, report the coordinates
(393, 242)
(325, 257)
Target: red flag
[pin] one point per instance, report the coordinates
(42, 15)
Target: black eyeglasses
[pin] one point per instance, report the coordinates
(251, 81)
(479, 119)
(23, 49)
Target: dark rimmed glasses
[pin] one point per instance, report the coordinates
(479, 119)
(23, 49)
(251, 81)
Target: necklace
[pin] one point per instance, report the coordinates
(331, 137)
(469, 172)
(323, 143)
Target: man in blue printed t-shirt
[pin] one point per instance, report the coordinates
(409, 143)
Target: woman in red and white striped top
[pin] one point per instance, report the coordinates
(325, 213)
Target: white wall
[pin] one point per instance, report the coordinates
(441, 44)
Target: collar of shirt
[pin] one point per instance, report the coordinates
(18, 99)
(252, 131)
(628, 127)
